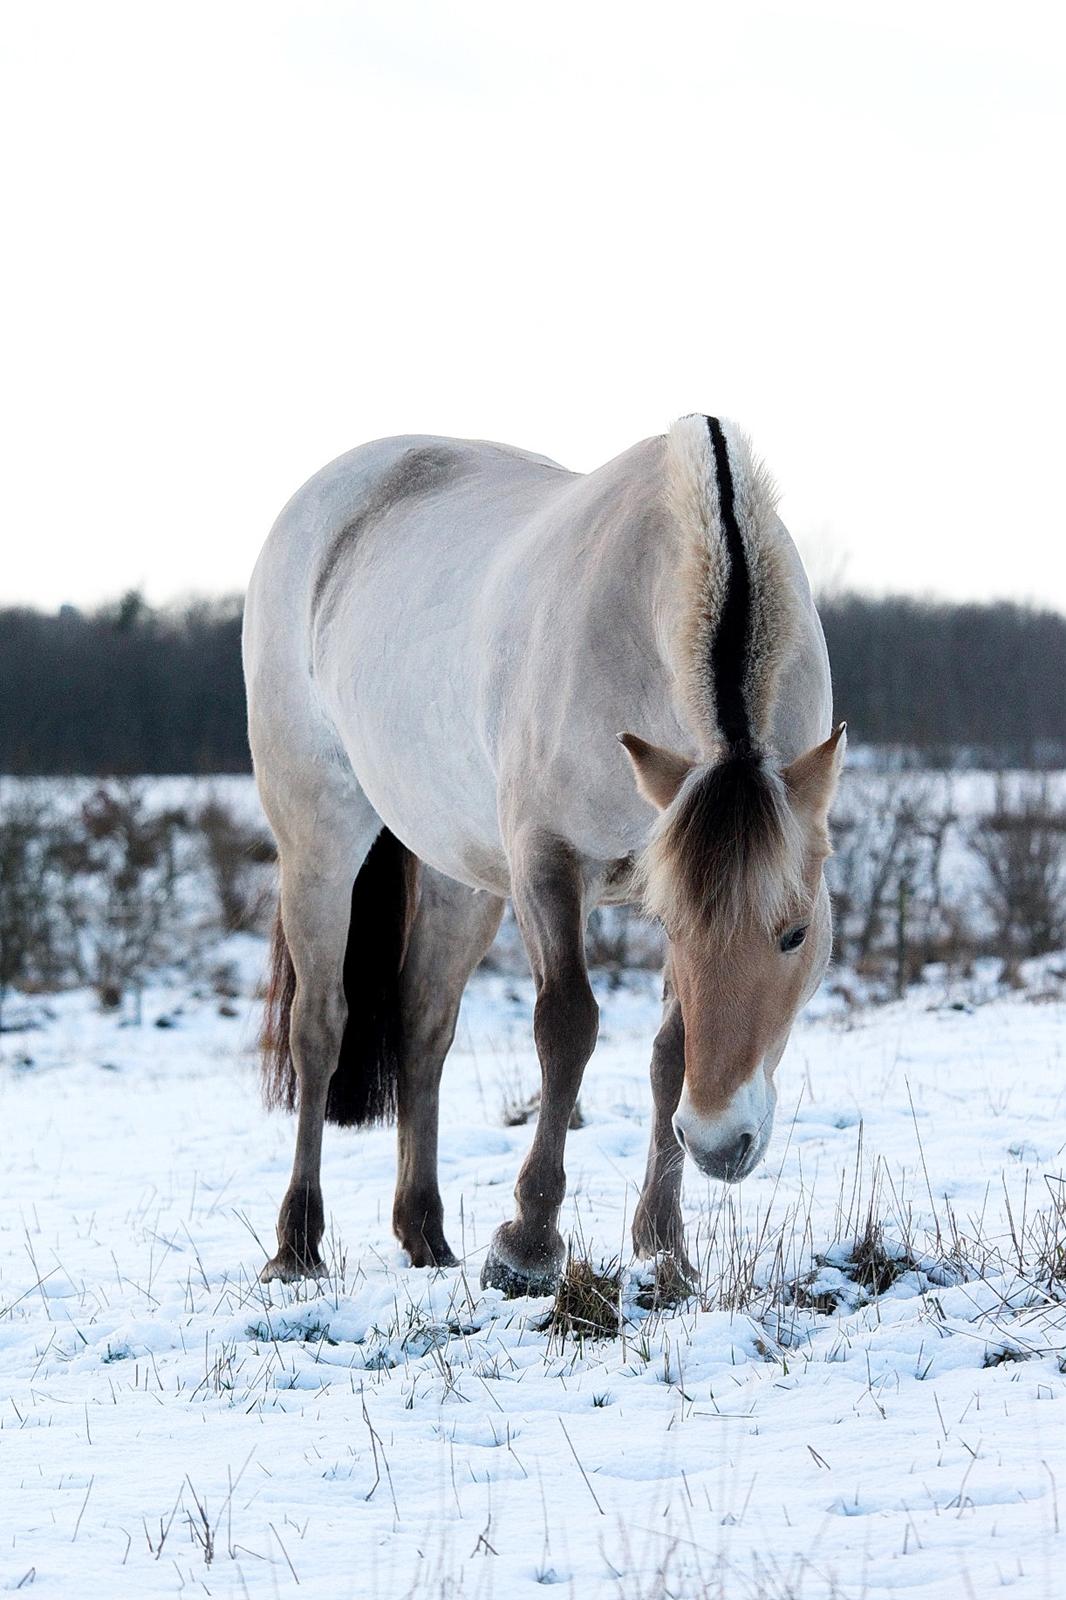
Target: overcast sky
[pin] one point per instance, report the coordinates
(241, 238)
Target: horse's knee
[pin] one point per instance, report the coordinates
(566, 1021)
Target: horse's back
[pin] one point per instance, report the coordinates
(378, 477)
(366, 594)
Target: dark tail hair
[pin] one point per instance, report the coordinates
(363, 1087)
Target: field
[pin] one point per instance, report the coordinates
(866, 1396)
(852, 1410)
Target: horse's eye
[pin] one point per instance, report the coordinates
(793, 938)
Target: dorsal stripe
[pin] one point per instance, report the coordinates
(729, 651)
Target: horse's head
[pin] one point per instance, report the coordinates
(734, 872)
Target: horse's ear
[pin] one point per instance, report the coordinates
(812, 779)
(659, 773)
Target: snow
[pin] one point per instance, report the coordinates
(392, 1432)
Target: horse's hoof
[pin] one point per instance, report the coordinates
(288, 1267)
(423, 1256)
(423, 1240)
(502, 1271)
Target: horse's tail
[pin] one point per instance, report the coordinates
(363, 1087)
(275, 1055)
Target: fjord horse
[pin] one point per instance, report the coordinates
(442, 639)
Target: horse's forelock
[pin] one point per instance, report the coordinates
(728, 852)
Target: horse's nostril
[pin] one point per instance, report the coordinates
(680, 1137)
(741, 1151)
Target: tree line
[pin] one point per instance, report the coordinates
(984, 682)
(129, 688)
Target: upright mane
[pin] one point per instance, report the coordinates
(729, 848)
(737, 622)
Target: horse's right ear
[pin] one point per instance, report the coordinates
(659, 773)
(812, 780)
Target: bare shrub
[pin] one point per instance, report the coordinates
(120, 866)
(234, 852)
(619, 939)
(1021, 845)
(27, 943)
(887, 879)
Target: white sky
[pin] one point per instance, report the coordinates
(242, 237)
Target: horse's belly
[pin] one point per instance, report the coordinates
(452, 826)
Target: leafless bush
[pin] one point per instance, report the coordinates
(887, 880)
(618, 939)
(106, 891)
(1021, 845)
(234, 852)
(27, 944)
(120, 869)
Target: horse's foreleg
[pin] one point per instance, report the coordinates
(526, 1255)
(453, 929)
(657, 1224)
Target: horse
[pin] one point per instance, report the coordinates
(442, 639)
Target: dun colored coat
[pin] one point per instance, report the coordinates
(443, 640)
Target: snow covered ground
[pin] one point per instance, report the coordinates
(168, 1425)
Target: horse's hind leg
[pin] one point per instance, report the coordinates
(452, 930)
(320, 862)
(526, 1255)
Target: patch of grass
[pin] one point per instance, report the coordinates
(875, 1265)
(586, 1301)
(668, 1285)
(312, 1332)
(803, 1296)
(1004, 1355)
(1048, 1241)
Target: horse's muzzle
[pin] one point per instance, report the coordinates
(729, 1162)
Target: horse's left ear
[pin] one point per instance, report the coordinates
(812, 779)
(659, 773)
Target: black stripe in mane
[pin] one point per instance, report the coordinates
(729, 652)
